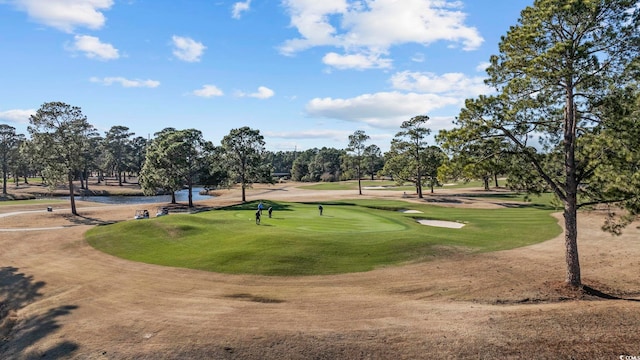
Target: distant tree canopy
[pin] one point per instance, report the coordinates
(243, 157)
(10, 143)
(410, 159)
(174, 159)
(60, 134)
(118, 149)
(357, 146)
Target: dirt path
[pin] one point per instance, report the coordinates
(60, 298)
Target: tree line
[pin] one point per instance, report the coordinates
(64, 147)
(564, 118)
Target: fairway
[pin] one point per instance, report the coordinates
(349, 237)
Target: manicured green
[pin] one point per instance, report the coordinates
(349, 237)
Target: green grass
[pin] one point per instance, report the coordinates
(350, 237)
(31, 202)
(544, 200)
(353, 185)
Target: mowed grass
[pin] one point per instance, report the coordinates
(349, 237)
(31, 202)
(353, 185)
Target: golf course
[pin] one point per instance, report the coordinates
(364, 280)
(350, 236)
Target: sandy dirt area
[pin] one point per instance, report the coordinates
(60, 298)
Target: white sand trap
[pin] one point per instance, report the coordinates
(411, 211)
(440, 223)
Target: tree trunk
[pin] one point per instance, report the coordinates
(359, 183)
(495, 178)
(190, 194)
(571, 186)
(72, 198)
(4, 183)
(173, 197)
(485, 180)
(571, 242)
(419, 186)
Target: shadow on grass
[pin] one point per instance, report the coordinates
(560, 292)
(16, 335)
(588, 290)
(254, 298)
(86, 220)
(442, 200)
(253, 205)
(519, 200)
(527, 205)
(330, 203)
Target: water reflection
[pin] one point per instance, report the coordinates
(181, 196)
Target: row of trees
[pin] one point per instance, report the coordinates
(64, 147)
(567, 75)
(175, 159)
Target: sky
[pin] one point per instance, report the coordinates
(306, 73)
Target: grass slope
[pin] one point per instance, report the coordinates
(349, 237)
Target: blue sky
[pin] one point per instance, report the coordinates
(306, 73)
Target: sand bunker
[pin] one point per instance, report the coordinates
(440, 223)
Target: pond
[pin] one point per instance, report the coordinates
(181, 196)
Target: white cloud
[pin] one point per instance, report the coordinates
(372, 27)
(126, 82)
(380, 110)
(208, 91)
(66, 15)
(187, 49)
(311, 19)
(94, 49)
(453, 84)
(239, 8)
(338, 135)
(483, 66)
(17, 116)
(418, 57)
(356, 61)
(262, 93)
